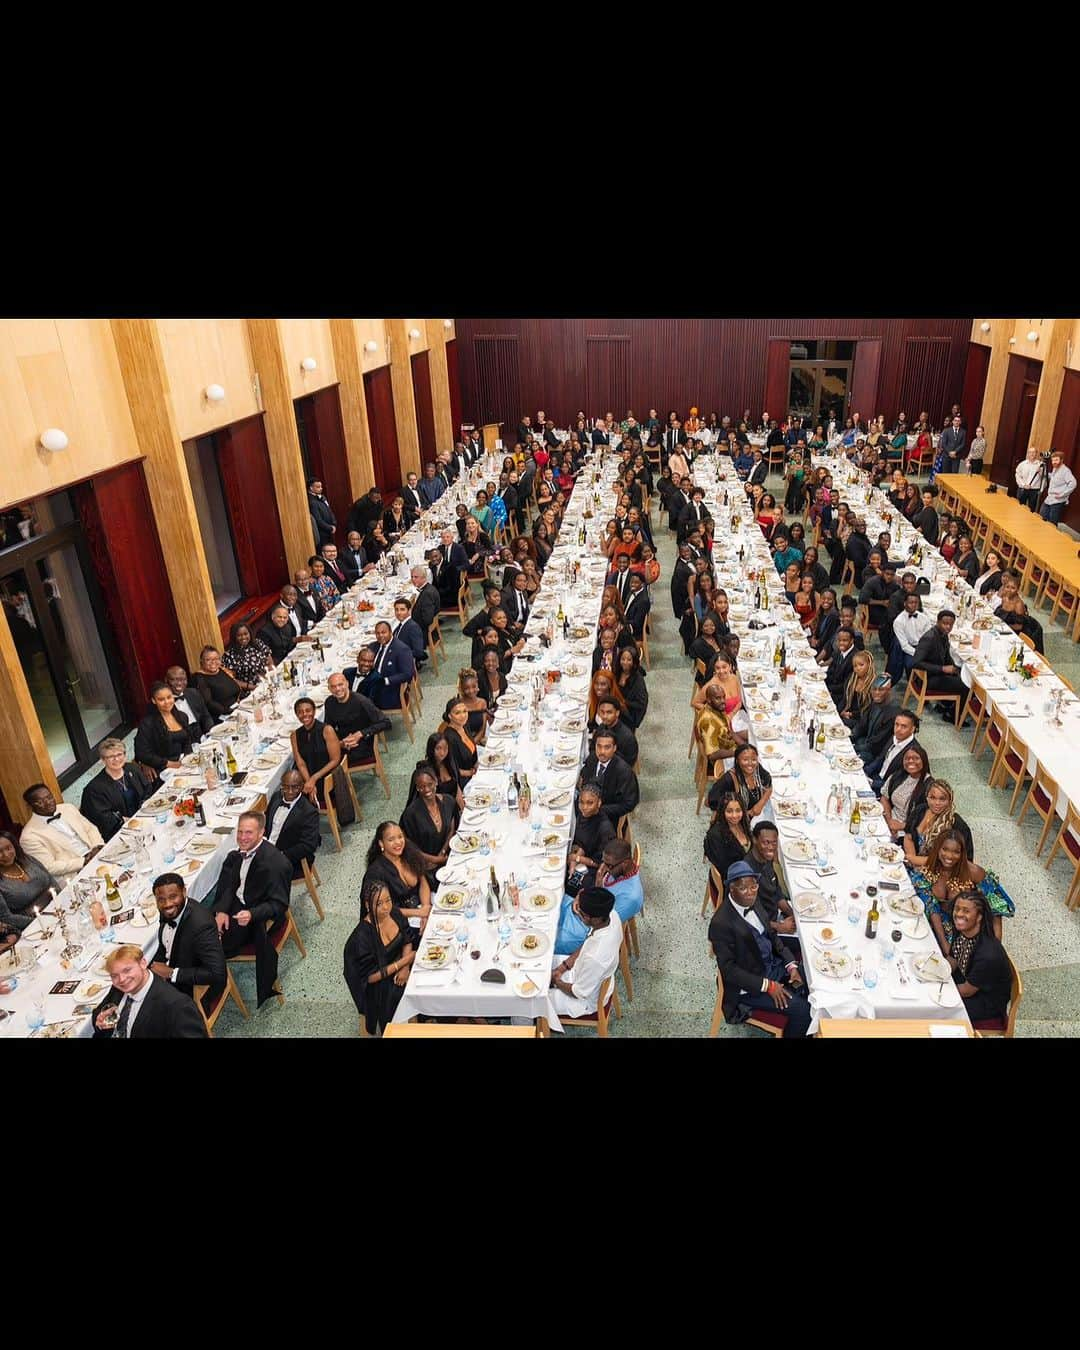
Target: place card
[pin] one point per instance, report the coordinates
(125, 916)
(65, 986)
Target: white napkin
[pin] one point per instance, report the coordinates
(898, 990)
(433, 979)
(950, 1032)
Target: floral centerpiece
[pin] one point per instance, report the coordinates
(1029, 671)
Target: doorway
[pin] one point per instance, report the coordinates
(52, 602)
(819, 380)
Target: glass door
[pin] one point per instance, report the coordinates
(818, 390)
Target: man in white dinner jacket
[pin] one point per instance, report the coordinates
(57, 835)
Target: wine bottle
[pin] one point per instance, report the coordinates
(776, 656)
(810, 733)
(512, 793)
(1012, 660)
(855, 823)
(560, 618)
(819, 743)
(764, 595)
(491, 900)
(524, 797)
(112, 894)
(230, 759)
(200, 813)
(872, 917)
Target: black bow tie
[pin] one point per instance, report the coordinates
(52, 818)
(170, 923)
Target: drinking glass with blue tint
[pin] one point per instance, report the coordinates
(462, 939)
(35, 1014)
(854, 913)
(496, 802)
(870, 976)
(796, 772)
(504, 928)
(811, 811)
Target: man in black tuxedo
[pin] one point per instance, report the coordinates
(933, 655)
(307, 601)
(516, 602)
(760, 471)
(839, 668)
(872, 731)
(292, 820)
(678, 503)
(524, 429)
(323, 518)
(354, 717)
(361, 678)
(953, 445)
(608, 719)
(448, 562)
(858, 547)
(334, 569)
(189, 945)
(680, 575)
(693, 513)
(447, 469)
(150, 1009)
(427, 603)
(905, 727)
(254, 887)
(410, 492)
(299, 615)
(116, 792)
(619, 577)
(394, 666)
(352, 559)
(599, 434)
(759, 970)
(366, 510)
(617, 781)
(475, 446)
(188, 700)
(674, 436)
(278, 634)
(636, 609)
(877, 591)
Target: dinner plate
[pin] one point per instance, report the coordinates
(931, 968)
(789, 810)
(801, 849)
(472, 820)
(810, 905)
(888, 853)
(573, 725)
(92, 990)
(553, 864)
(916, 928)
(565, 761)
(452, 899)
(869, 807)
(834, 963)
(768, 733)
(910, 906)
(201, 846)
(480, 800)
(945, 995)
(555, 799)
(443, 929)
(835, 940)
(849, 763)
(529, 985)
(531, 944)
(465, 843)
(539, 902)
(492, 759)
(510, 700)
(435, 955)
(558, 819)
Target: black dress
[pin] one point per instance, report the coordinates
(419, 828)
(364, 954)
(701, 650)
(592, 834)
(476, 723)
(156, 745)
(312, 747)
(464, 760)
(721, 849)
(404, 895)
(749, 796)
(637, 699)
(219, 692)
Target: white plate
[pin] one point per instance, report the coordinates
(83, 993)
(479, 800)
(451, 900)
(916, 928)
(539, 902)
(931, 968)
(427, 961)
(465, 843)
(553, 864)
(907, 906)
(443, 929)
(541, 945)
(528, 984)
(559, 819)
(556, 800)
(945, 995)
(810, 905)
(839, 968)
(835, 943)
(802, 850)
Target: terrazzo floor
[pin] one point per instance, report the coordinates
(674, 989)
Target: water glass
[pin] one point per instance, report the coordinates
(35, 1014)
(888, 951)
(870, 976)
(496, 803)
(796, 772)
(163, 818)
(811, 812)
(504, 928)
(854, 913)
(169, 857)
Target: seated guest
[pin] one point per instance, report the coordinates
(362, 678)
(609, 718)
(150, 1008)
(365, 511)
(705, 648)
(394, 665)
(316, 750)
(989, 579)
(246, 659)
(216, 686)
(323, 586)
(933, 655)
(189, 701)
(909, 627)
(616, 779)
(429, 820)
(117, 792)
(335, 569)
(253, 888)
(948, 871)
(857, 690)
(714, 729)
(426, 604)
(758, 970)
(407, 630)
(164, 735)
(838, 670)
(811, 567)
(432, 486)
(901, 788)
(307, 598)
(353, 560)
(765, 842)
(877, 592)
(490, 679)
(483, 617)
(396, 520)
(189, 946)
(932, 811)
(378, 954)
(606, 650)
(747, 781)
(728, 838)
(926, 520)
(577, 980)
(966, 561)
(57, 835)
(24, 884)
(872, 730)
(463, 754)
(394, 860)
(293, 822)
(905, 725)
(619, 874)
(437, 757)
(592, 831)
(980, 967)
(278, 635)
(516, 602)
(469, 693)
(630, 686)
(828, 622)
(806, 602)
(355, 719)
(637, 607)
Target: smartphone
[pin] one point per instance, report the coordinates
(238, 778)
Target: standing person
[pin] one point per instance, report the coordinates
(953, 445)
(323, 520)
(150, 1008)
(254, 886)
(977, 451)
(1029, 476)
(1060, 488)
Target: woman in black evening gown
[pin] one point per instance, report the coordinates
(378, 954)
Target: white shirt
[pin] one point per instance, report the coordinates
(168, 937)
(245, 868)
(909, 628)
(180, 701)
(294, 619)
(897, 748)
(1029, 473)
(64, 830)
(281, 815)
(598, 959)
(1062, 486)
(136, 1001)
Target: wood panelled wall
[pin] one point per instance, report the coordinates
(511, 366)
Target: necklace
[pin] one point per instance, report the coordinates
(15, 872)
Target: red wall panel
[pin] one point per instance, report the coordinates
(379, 396)
(326, 447)
(454, 380)
(118, 523)
(971, 398)
(425, 412)
(249, 496)
(511, 366)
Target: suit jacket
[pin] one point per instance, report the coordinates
(398, 668)
(524, 433)
(673, 439)
(737, 955)
(324, 518)
(857, 551)
(196, 951)
(926, 521)
(281, 641)
(690, 517)
(299, 837)
(952, 443)
(269, 883)
(310, 608)
(448, 579)
(510, 604)
(352, 564)
(431, 489)
(425, 607)
(874, 727)
(364, 514)
(152, 744)
(103, 800)
(200, 712)
(414, 503)
(338, 574)
(413, 638)
(837, 673)
(365, 687)
(618, 788)
(50, 849)
(636, 611)
(626, 743)
(933, 651)
(758, 473)
(621, 582)
(165, 1015)
(550, 438)
(680, 599)
(600, 437)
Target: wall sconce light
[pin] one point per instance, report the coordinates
(984, 326)
(414, 333)
(1033, 336)
(1012, 342)
(53, 439)
(448, 323)
(309, 363)
(371, 345)
(215, 393)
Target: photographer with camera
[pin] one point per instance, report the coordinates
(1030, 476)
(1061, 486)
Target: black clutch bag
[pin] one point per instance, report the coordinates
(493, 976)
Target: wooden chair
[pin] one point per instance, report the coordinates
(1069, 840)
(622, 830)
(1012, 764)
(772, 1022)
(460, 611)
(374, 766)
(309, 877)
(643, 644)
(917, 688)
(404, 710)
(701, 770)
(1042, 797)
(1063, 595)
(1028, 642)
(1004, 1026)
(699, 666)
(280, 933)
(918, 459)
(975, 707)
(1034, 583)
(1022, 563)
(714, 891)
(624, 966)
(608, 999)
(331, 810)
(211, 1009)
(436, 645)
(995, 731)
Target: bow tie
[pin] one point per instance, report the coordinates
(170, 923)
(52, 818)
(246, 856)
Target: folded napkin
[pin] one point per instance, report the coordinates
(433, 979)
(950, 1032)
